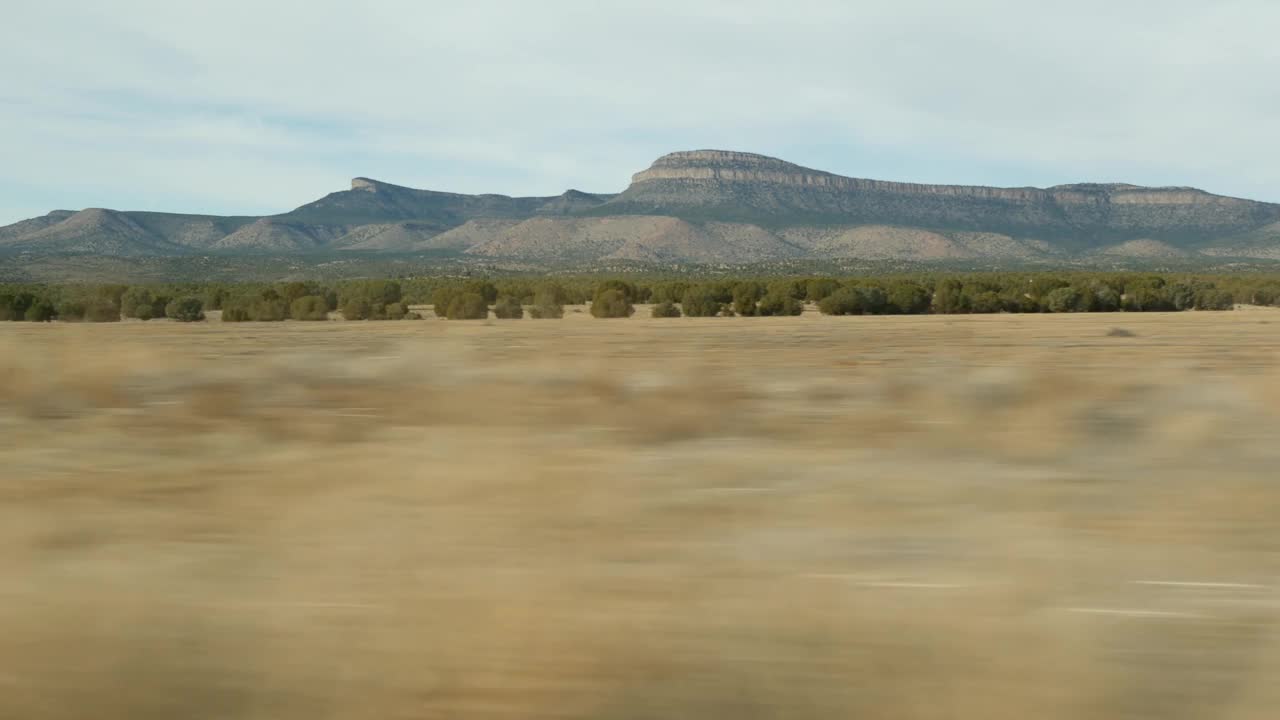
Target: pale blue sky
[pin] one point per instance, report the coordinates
(242, 107)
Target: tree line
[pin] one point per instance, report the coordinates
(545, 298)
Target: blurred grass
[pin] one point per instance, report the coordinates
(758, 518)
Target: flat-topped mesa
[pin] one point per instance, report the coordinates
(733, 167)
(728, 166)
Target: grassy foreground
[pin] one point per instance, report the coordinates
(1003, 516)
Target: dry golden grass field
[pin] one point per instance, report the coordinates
(997, 517)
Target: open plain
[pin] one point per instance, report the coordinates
(909, 517)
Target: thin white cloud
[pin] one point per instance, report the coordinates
(252, 105)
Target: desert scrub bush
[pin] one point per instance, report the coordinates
(468, 306)
(98, 309)
(854, 301)
(254, 310)
(775, 304)
(986, 302)
(818, 288)
(483, 288)
(140, 303)
(611, 304)
(309, 307)
(41, 310)
(908, 298)
(394, 311)
(1068, 299)
(187, 309)
(666, 309)
(745, 296)
(357, 309)
(268, 310)
(441, 297)
(508, 308)
(672, 292)
(949, 298)
(1213, 299)
(547, 305)
(701, 301)
(630, 291)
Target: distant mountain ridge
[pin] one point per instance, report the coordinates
(702, 206)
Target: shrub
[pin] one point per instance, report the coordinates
(375, 292)
(818, 288)
(292, 291)
(137, 302)
(793, 288)
(40, 311)
(508, 308)
(949, 298)
(269, 310)
(1182, 295)
(985, 302)
(394, 311)
(862, 300)
(1146, 299)
(701, 301)
(666, 309)
(485, 289)
(187, 309)
(1212, 299)
(357, 309)
(309, 307)
(874, 299)
(468, 306)
(777, 304)
(92, 310)
(547, 304)
(102, 310)
(611, 304)
(745, 296)
(441, 298)
(261, 310)
(1067, 299)
(629, 291)
(672, 292)
(845, 301)
(908, 299)
(1106, 299)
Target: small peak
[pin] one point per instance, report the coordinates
(364, 183)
